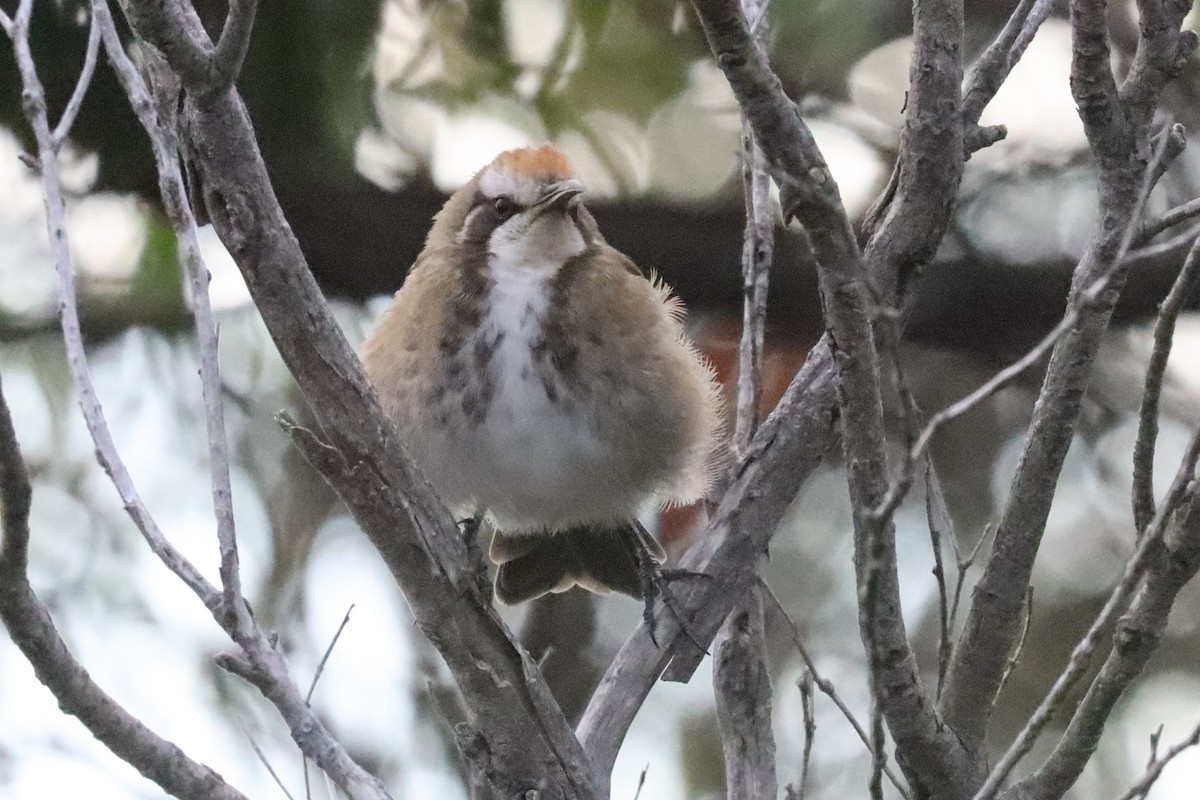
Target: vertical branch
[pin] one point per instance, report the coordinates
(757, 250)
(742, 684)
(741, 679)
(34, 101)
(1147, 435)
(165, 146)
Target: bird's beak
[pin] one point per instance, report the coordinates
(559, 195)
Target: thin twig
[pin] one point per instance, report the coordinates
(964, 564)
(810, 735)
(77, 365)
(641, 782)
(935, 514)
(1157, 765)
(1169, 219)
(165, 146)
(826, 686)
(1147, 435)
(263, 758)
(1155, 738)
(1082, 303)
(1015, 658)
(81, 86)
(1081, 654)
(312, 687)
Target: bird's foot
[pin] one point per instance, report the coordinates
(470, 528)
(656, 583)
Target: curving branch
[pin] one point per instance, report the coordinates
(994, 66)
(32, 630)
(81, 86)
(1147, 435)
(231, 48)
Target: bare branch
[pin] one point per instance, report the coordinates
(1148, 549)
(965, 563)
(1174, 561)
(742, 685)
(826, 686)
(937, 518)
(93, 413)
(994, 66)
(312, 687)
(1171, 218)
(1118, 135)
(798, 792)
(262, 757)
(234, 42)
(81, 86)
(29, 624)
(175, 202)
(1147, 435)
(1157, 765)
(1015, 658)
(757, 252)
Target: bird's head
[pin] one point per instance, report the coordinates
(523, 210)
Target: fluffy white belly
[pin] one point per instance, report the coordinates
(532, 465)
(535, 460)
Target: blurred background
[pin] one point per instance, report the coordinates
(368, 114)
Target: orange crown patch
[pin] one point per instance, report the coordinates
(545, 163)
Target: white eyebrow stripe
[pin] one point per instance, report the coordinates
(494, 182)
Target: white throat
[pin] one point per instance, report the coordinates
(539, 246)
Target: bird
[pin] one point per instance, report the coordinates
(538, 378)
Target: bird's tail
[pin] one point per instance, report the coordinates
(599, 558)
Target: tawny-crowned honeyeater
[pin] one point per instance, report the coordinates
(534, 373)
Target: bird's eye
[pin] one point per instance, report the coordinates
(504, 206)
